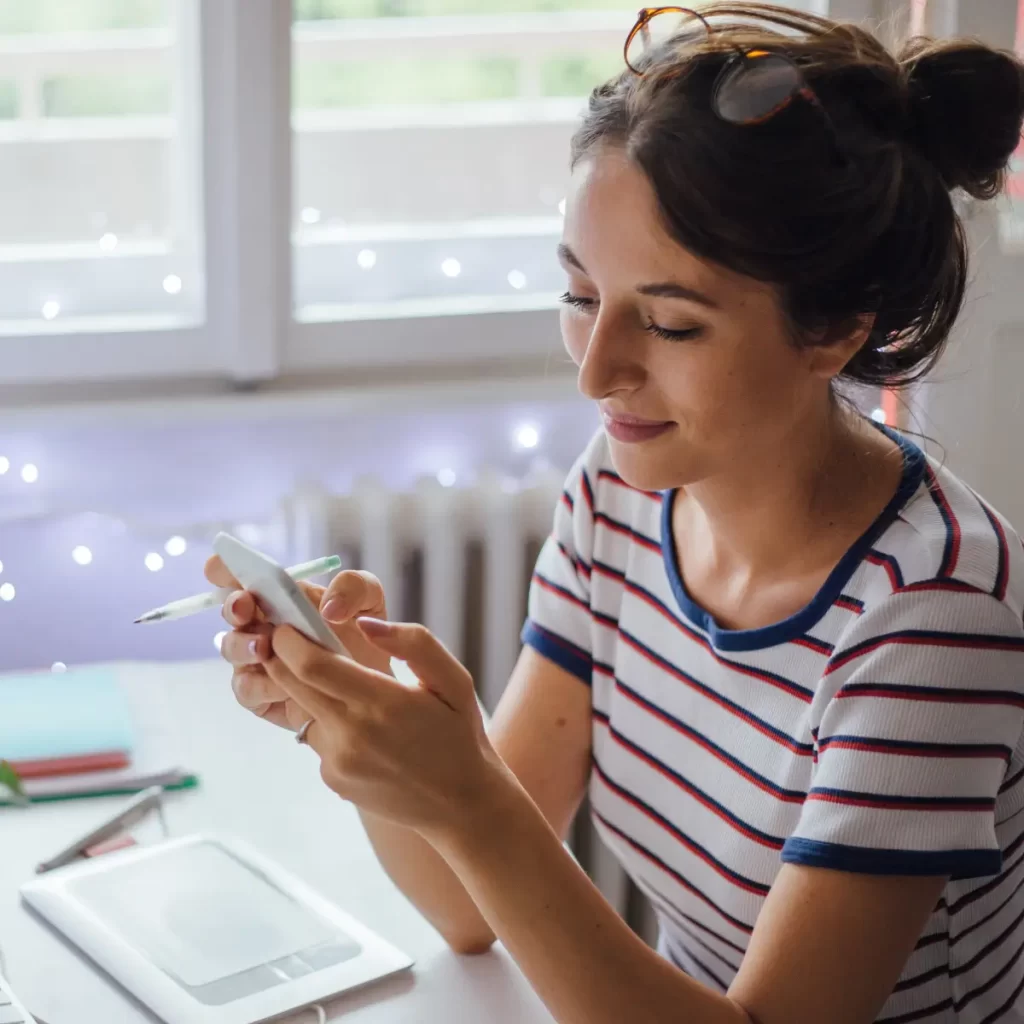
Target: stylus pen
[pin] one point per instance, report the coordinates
(200, 602)
(136, 810)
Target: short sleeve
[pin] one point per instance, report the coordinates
(918, 715)
(558, 623)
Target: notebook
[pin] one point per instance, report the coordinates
(64, 722)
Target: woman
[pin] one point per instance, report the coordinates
(780, 648)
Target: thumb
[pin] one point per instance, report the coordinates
(437, 669)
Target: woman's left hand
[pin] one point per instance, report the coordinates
(417, 755)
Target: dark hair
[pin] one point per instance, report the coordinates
(874, 233)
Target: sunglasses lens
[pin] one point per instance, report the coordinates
(658, 31)
(756, 87)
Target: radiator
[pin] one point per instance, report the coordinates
(459, 560)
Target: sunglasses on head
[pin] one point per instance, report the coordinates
(754, 84)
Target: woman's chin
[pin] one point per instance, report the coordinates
(645, 470)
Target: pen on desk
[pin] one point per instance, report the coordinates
(136, 810)
(200, 602)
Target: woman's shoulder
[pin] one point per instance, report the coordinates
(947, 536)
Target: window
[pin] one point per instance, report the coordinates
(99, 196)
(431, 148)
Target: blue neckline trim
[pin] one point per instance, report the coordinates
(799, 622)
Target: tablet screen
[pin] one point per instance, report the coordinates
(201, 914)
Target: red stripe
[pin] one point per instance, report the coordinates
(933, 696)
(893, 805)
(617, 527)
(849, 605)
(567, 501)
(877, 559)
(924, 751)
(588, 493)
(787, 686)
(818, 646)
(607, 474)
(558, 591)
(956, 586)
(689, 790)
(701, 742)
(950, 558)
(929, 639)
(623, 794)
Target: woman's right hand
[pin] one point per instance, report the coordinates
(351, 593)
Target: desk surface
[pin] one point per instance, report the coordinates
(256, 783)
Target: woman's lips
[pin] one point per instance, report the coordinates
(633, 429)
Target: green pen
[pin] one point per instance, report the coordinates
(200, 602)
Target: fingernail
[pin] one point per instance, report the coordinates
(234, 605)
(333, 611)
(371, 625)
(254, 647)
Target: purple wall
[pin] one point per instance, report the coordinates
(160, 478)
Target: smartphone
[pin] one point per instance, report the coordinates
(280, 597)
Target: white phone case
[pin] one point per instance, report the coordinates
(280, 596)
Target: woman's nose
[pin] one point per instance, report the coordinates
(612, 361)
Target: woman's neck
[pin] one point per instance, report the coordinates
(788, 515)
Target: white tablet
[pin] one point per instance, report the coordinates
(204, 930)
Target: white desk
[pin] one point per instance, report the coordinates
(255, 783)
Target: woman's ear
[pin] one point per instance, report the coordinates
(833, 347)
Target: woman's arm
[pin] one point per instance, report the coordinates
(823, 938)
(541, 730)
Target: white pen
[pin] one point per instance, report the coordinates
(200, 602)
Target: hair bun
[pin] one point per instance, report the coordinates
(966, 107)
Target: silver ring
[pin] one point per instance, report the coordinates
(300, 736)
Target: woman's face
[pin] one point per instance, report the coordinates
(691, 364)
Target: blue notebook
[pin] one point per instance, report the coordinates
(62, 714)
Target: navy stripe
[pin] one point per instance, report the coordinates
(701, 852)
(575, 560)
(938, 694)
(1012, 781)
(751, 719)
(983, 890)
(816, 645)
(691, 937)
(608, 570)
(1008, 1005)
(772, 842)
(567, 498)
(668, 908)
(1003, 563)
(707, 970)
(889, 564)
(575, 660)
(773, 678)
(684, 882)
(557, 588)
(927, 638)
(607, 474)
(911, 749)
(969, 997)
(884, 801)
(793, 796)
(995, 943)
(870, 861)
(928, 1011)
(588, 491)
(640, 538)
(851, 604)
(951, 548)
(918, 980)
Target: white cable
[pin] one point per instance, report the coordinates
(321, 1013)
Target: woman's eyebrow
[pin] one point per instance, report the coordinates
(662, 289)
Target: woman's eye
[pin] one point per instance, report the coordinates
(577, 301)
(686, 334)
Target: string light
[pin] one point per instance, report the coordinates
(172, 284)
(82, 555)
(29, 473)
(176, 546)
(310, 215)
(517, 279)
(108, 241)
(367, 259)
(878, 415)
(451, 267)
(218, 638)
(154, 562)
(527, 436)
(58, 666)
(7, 592)
(446, 477)
(5, 464)
(50, 310)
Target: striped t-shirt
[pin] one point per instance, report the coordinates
(877, 730)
